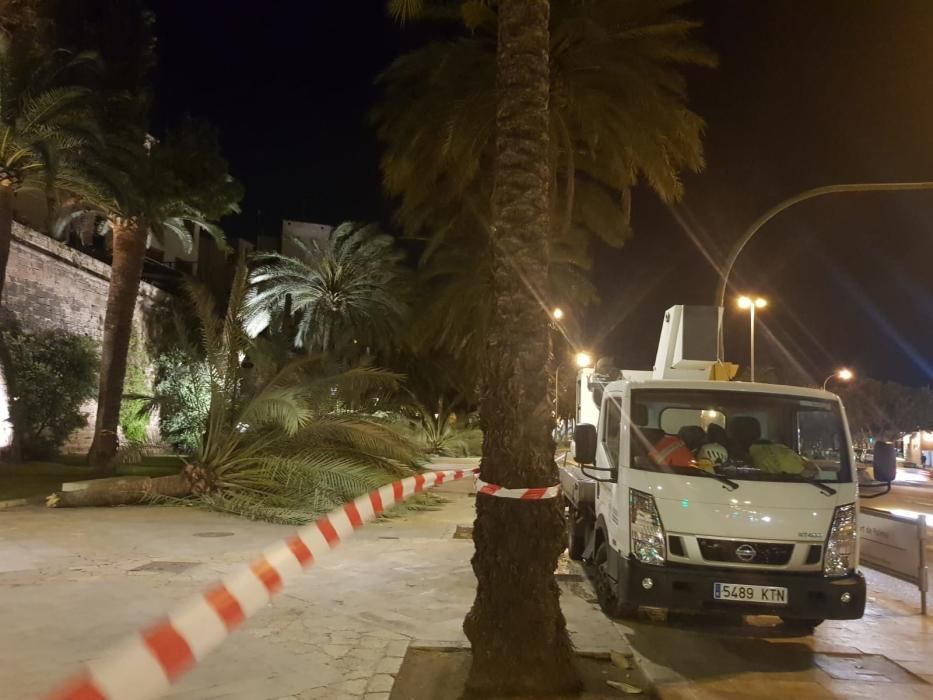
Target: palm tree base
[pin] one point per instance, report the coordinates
(517, 600)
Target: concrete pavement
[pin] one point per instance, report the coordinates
(74, 582)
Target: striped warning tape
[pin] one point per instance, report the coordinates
(146, 664)
(523, 494)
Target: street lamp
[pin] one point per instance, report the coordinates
(842, 375)
(557, 314)
(583, 359)
(751, 305)
(726, 269)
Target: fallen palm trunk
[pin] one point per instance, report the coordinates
(122, 492)
(193, 480)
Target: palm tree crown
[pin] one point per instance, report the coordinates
(163, 187)
(44, 123)
(349, 289)
(618, 116)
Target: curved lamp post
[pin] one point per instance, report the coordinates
(842, 375)
(777, 209)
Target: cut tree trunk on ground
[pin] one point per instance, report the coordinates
(516, 627)
(129, 251)
(121, 492)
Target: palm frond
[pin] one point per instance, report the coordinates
(619, 116)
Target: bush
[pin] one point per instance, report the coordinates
(183, 394)
(55, 374)
(134, 420)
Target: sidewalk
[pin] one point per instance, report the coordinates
(71, 586)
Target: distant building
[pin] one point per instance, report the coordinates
(918, 447)
(305, 232)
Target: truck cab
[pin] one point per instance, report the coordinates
(715, 496)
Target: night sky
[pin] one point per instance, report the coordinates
(806, 94)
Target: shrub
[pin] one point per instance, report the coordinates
(56, 373)
(183, 394)
(134, 420)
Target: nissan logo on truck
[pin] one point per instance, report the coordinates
(746, 552)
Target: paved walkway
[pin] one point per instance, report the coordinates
(71, 585)
(74, 582)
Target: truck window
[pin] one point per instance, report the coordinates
(742, 435)
(612, 430)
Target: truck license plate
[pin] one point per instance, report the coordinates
(741, 593)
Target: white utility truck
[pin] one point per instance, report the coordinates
(713, 496)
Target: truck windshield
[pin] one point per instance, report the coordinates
(739, 435)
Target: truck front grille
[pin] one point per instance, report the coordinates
(736, 552)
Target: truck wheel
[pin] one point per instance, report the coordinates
(576, 540)
(801, 626)
(605, 590)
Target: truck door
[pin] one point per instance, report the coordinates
(608, 456)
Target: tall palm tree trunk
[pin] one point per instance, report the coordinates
(129, 251)
(516, 627)
(6, 230)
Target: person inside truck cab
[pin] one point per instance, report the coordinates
(671, 451)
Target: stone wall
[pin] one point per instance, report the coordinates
(49, 285)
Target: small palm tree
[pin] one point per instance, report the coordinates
(159, 190)
(280, 442)
(44, 126)
(350, 289)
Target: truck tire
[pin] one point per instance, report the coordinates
(576, 540)
(605, 589)
(802, 627)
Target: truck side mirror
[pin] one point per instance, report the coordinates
(884, 462)
(584, 444)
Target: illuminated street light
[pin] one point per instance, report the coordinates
(746, 302)
(557, 314)
(842, 375)
(583, 359)
(726, 269)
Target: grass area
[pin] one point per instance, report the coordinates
(42, 478)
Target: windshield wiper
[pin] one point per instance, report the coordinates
(825, 488)
(719, 477)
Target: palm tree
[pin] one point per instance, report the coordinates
(517, 543)
(158, 190)
(43, 127)
(617, 116)
(350, 289)
(279, 443)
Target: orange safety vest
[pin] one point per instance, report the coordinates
(673, 451)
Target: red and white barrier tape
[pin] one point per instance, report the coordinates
(145, 665)
(523, 494)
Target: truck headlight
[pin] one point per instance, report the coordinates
(840, 547)
(645, 527)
